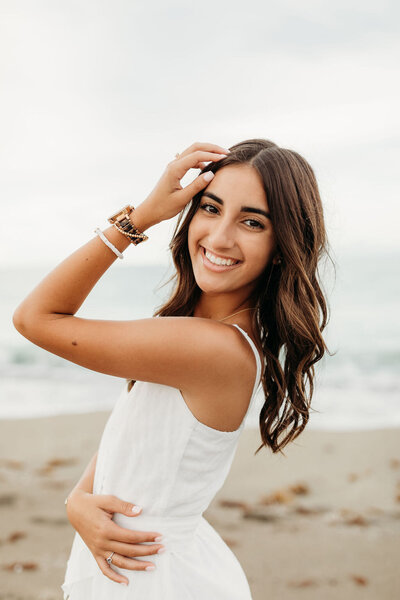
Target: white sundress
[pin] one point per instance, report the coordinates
(155, 453)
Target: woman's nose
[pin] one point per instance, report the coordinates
(221, 235)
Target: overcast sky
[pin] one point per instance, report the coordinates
(97, 96)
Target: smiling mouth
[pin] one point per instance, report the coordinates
(220, 266)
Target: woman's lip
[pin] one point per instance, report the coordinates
(218, 268)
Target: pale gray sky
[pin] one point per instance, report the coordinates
(97, 96)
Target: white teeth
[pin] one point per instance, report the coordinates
(219, 261)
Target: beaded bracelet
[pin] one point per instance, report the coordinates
(108, 243)
(134, 237)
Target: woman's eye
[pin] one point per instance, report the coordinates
(205, 205)
(255, 224)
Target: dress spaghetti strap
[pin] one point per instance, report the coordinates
(257, 356)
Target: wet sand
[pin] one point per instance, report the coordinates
(321, 523)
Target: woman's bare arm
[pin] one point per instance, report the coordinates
(139, 348)
(85, 483)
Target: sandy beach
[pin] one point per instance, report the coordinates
(321, 523)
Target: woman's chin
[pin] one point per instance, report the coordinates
(210, 286)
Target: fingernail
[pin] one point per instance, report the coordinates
(159, 538)
(136, 509)
(161, 550)
(124, 582)
(227, 151)
(208, 176)
(150, 568)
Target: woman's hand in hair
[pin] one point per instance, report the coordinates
(168, 197)
(91, 516)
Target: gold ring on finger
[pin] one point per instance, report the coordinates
(109, 559)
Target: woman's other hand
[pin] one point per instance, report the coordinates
(91, 516)
(168, 197)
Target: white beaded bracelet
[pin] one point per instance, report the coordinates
(108, 243)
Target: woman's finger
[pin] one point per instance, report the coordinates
(130, 536)
(196, 186)
(182, 165)
(131, 564)
(109, 572)
(114, 504)
(133, 550)
(204, 146)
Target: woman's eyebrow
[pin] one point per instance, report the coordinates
(250, 209)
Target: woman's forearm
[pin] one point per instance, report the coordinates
(85, 483)
(66, 287)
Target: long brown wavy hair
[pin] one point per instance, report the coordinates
(291, 310)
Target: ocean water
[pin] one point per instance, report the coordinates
(357, 388)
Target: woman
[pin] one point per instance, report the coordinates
(246, 257)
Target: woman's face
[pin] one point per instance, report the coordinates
(234, 226)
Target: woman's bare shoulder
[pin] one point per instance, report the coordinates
(220, 399)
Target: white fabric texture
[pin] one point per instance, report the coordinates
(155, 453)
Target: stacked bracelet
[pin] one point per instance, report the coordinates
(120, 220)
(134, 236)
